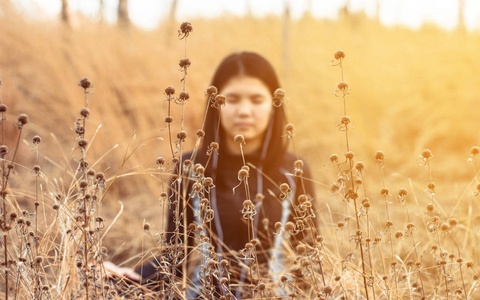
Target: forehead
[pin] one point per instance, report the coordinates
(245, 85)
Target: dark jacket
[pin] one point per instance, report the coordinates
(229, 229)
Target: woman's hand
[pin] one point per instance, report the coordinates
(114, 270)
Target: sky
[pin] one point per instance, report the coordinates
(148, 13)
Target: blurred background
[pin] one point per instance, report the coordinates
(412, 67)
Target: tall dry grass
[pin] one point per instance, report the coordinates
(410, 90)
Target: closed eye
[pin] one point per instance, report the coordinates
(232, 98)
(257, 99)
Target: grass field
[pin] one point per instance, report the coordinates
(410, 91)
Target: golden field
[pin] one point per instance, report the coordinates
(410, 90)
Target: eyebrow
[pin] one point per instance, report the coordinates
(254, 95)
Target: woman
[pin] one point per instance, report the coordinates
(251, 137)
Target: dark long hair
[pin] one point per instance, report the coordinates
(249, 64)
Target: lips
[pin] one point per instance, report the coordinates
(243, 126)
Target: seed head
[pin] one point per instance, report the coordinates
(239, 139)
(302, 198)
(185, 29)
(475, 151)
(278, 225)
(184, 96)
(214, 145)
(224, 263)
(345, 120)
(290, 128)
(445, 227)
(431, 186)
(334, 158)
(170, 90)
(211, 90)
(360, 166)
(289, 226)
(200, 133)
(100, 176)
(284, 187)
(379, 156)
(220, 100)
(83, 184)
(85, 112)
(327, 290)
(85, 83)
(36, 169)
(453, 222)
(82, 143)
(22, 120)
(339, 54)
(427, 154)
(349, 155)
(160, 160)
(366, 202)
(342, 85)
(146, 226)
(384, 192)
(279, 93)
(301, 249)
(403, 192)
(36, 139)
(3, 150)
(3, 108)
(181, 135)
(242, 174)
(398, 234)
(184, 63)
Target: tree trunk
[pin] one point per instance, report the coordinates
(122, 17)
(65, 13)
(461, 15)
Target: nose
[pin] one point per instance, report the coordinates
(244, 109)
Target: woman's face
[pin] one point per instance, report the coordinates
(247, 110)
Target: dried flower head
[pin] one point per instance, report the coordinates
(160, 161)
(219, 101)
(334, 158)
(85, 83)
(212, 91)
(339, 54)
(342, 86)
(239, 139)
(279, 97)
(22, 120)
(475, 151)
(360, 166)
(184, 96)
(379, 156)
(184, 63)
(3, 150)
(182, 135)
(349, 155)
(169, 91)
(85, 112)
(146, 226)
(289, 226)
(3, 108)
(185, 30)
(36, 139)
(427, 154)
(82, 143)
(301, 249)
(200, 133)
